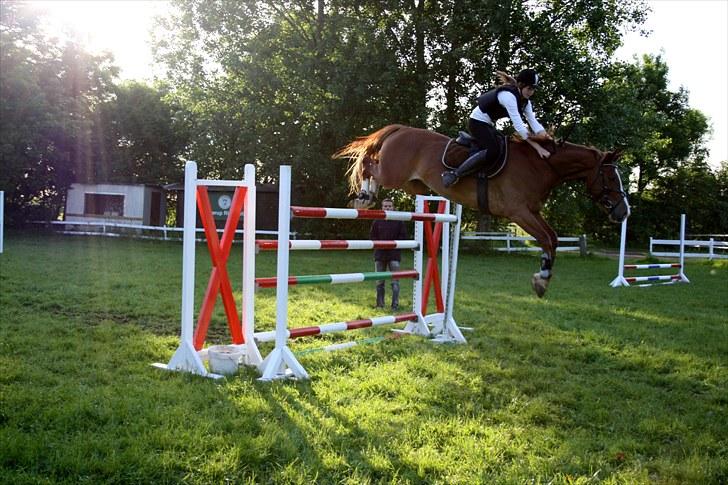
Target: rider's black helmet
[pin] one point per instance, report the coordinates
(529, 77)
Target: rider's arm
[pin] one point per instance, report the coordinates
(508, 101)
(536, 127)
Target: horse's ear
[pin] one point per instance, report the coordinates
(617, 154)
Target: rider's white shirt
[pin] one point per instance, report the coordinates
(508, 101)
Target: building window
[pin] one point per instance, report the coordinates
(103, 205)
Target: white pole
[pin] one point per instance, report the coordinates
(418, 261)
(2, 219)
(284, 226)
(281, 363)
(445, 259)
(188, 251)
(450, 331)
(619, 280)
(186, 357)
(622, 247)
(419, 327)
(249, 224)
(682, 250)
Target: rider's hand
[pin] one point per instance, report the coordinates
(543, 153)
(542, 136)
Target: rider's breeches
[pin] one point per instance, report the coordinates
(485, 136)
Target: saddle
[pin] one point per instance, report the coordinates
(460, 148)
(464, 146)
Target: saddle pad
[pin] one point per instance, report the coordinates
(455, 154)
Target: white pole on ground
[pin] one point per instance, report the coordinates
(252, 354)
(281, 363)
(619, 280)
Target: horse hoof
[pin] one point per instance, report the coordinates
(539, 284)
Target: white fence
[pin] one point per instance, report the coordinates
(717, 249)
(159, 233)
(518, 243)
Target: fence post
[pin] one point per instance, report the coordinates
(582, 245)
(710, 250)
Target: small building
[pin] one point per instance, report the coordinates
(118, 203)
(266, 213)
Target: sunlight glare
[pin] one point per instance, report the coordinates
(120, 27)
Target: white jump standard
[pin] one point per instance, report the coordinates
(622, 280)
(189, 355)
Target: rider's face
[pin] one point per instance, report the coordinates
(387, 206)
(527, 91)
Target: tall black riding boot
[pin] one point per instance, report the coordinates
(472, 164)
(380, 296)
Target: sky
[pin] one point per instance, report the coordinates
(691, 35)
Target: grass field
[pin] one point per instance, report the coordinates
(588, 385)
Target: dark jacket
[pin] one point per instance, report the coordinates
(488, 102)
(387, 231)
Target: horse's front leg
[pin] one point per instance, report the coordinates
(367, 195)
(534, 224)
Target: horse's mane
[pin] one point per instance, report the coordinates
(360, 149)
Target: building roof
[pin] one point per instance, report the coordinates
(180, 186)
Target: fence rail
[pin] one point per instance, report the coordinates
(520, 241)
(711, 244)
(113, 229)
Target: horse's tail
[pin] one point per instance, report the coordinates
(359, 150)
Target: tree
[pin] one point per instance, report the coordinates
(48, 90)
(655, 127)
(291, 81)
(139, 137)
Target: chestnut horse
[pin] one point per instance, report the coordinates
(407, 158)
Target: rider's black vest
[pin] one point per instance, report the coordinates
(488, 102)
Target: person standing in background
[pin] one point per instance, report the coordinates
(387, 259)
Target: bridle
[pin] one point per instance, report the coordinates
(603, 196)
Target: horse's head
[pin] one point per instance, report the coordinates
(605, 187)
(366, 196)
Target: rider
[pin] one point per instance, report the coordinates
(510, 99)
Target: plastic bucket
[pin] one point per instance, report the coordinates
(224, 359)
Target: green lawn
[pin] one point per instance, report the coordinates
(588, 385)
